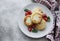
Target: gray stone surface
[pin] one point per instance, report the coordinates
(9, 29)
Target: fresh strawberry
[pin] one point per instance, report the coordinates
(27, 12)
(33, 26)
(44, 16)
(30, 29)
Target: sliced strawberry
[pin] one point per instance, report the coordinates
(30, 29)
(45, 18)
(33, 26)
(44, 15)
(26, 13)
(29, 12)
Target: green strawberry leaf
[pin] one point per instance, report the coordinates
(34, 30)
(48, 19)
(25, 10)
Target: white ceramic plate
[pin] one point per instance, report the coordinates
(40, 34)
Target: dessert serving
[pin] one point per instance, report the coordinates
(35, 20)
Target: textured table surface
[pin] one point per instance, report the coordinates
(9, 30)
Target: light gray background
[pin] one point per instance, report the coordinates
(9, 29)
